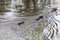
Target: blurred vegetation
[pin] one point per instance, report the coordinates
(28, 7)
(31, 33)
(39, 32)
(35, 5)
(3, 4)
(2, 8)
(27, 4)
(3, 38)
(30, 3)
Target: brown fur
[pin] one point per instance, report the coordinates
(40, 17)
(20, 23)
(54, 10)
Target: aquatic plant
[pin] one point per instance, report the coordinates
(3, 38)
(38, 34)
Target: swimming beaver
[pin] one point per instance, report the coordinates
(54, 9)
(40, 17)
(20, 23)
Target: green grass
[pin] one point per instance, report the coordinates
(3, 38)
(31, 34)
(38, 34)
(37, 37)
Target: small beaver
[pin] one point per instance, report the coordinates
(20, 23)
(54, 9)
(40, 17)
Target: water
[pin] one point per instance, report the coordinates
(18, 8)
(12, 13)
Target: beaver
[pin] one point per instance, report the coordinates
(54, 9)
(40, 17)
(20, 23)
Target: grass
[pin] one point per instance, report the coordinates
(38, 34)
(3, 38)
(37, 37)
(31, 33)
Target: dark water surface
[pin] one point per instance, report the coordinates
(13, 8)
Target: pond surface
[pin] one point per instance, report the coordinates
(13, 8)
(10, 16)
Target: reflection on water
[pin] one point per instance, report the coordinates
(9, 15)
(13, 8)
